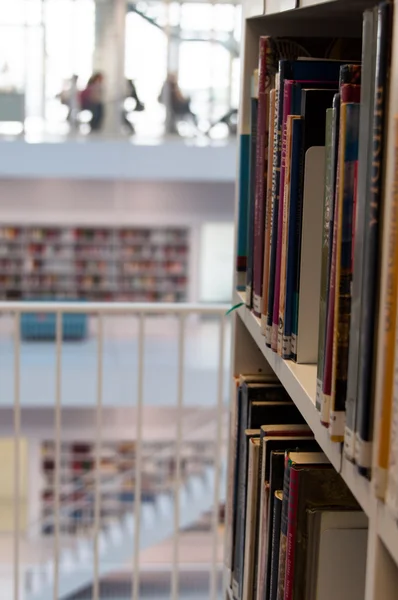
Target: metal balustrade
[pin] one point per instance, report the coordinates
(195, 486)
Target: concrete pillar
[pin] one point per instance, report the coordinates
(110, 26)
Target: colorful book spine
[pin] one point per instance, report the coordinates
(350, 73)
(350, 92)
(328, 353)
(348, 164)
(268, 212)
(252, 188)
(365, 140)
(283, 535)
(274, 219)
(243, 196)
(276, 534)
(389, 407)
(286, 110)
(327, 205)
(285, 232)
(295, 210)
(370, 284)
(261, 173)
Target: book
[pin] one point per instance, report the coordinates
(231, 476)
(313, 483)
(365, 140)
(370, 282)
(389, 406)
(350, 92)
(294, 227)
(251, 523)
(272, 437)
(252, 186)
(243, 196)
(327, 204)
(291, 458)
(338, 537)
(260, 180)
(276, 530)
(281, 348)
(330, 288)
(268, 212)
(348, 165)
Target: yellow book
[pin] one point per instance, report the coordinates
(387, 454)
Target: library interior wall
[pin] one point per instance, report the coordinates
(83, 202)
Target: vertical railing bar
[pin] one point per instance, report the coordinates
(177, 483)
(17, 437)
(98, 444)
(57, 479)
(217, 458)
(138, 453)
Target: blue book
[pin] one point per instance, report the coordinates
(251, 201)
(244, 170)
(296, 200)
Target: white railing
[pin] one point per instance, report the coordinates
(183, 484)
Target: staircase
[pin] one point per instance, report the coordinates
(116, 540)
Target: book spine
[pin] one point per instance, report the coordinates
(262, 543)
(370, 284)
(244, 169)
(365, 120)
(349, 132)
(251, 523)
(325, 256)
(283, 536)
(350, 73)
(261, 173)
(268, 212)
(390, 343)
(328, 352)
(252, 189)
(275, 208)
(285, 233)
(276, 532)
(291, 533)
(231, 487)
(286, 110)
(295, 211)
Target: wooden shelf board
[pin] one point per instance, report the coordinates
(300, 383)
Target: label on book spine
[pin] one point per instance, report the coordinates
(274, 337)
(318, 400)
(264, 324)
(337, 425)
(363, 453)
(294, 344)
(257, 304)
(286, 347)
(268, 334)
(325, 409)
(349, 444)
(248, 295)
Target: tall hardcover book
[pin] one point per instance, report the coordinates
(243, 196)
(254, 118)
(276, 536)
(328, 353)
(261, 173)
(365, 140)
(294, 231)
(348, 165)
(231, 477)
(313, 483)
(251, 524)
(370, 283)
(327, 206)
(268, 212)
(390, 355)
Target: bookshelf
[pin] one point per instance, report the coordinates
(310, 18)
(94, 263)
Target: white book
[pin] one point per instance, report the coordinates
(336, 557)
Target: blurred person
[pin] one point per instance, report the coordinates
(70, 98)
(131, 94)
(175, 101)
(92, 99)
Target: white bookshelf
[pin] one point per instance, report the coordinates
(319, 18)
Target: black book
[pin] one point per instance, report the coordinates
(275, 536)
(371, 262)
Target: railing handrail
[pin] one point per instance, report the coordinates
(113, 308)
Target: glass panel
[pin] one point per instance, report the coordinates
(196, 16)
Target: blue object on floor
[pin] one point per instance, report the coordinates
(40, 326)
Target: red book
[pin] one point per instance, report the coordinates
(261, 173)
